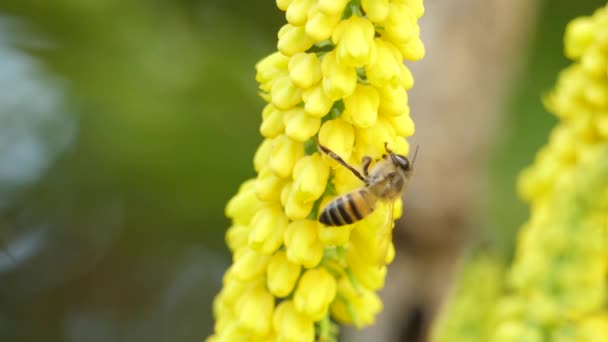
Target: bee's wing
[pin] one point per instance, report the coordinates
(385, 234)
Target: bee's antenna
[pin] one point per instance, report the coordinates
(415, 155)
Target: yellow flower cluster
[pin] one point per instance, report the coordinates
(338, 76)
(556, 288)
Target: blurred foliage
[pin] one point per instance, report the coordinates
(117, 231)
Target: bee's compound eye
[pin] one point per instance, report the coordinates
(402, 162)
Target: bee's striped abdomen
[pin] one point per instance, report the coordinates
(347, 209)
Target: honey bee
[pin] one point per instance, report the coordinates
(385, 182)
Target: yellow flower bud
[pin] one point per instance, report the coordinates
(292, 326)
(354, 38)
(303, 244)
(272, 122)
(285, 94)
(267, 229)
(386, 68)
(243, 206)
(316, 102)
(300, 126)
(297, 12)
(320, 24)
(262, 155)
(333, 236)
(338, 136)
(339, 80)
(361, 107)
(249, 265)
(400, 25)
(237, 236)
(370, 276)
(316, 290)
(310, 177)
(294, 208)
(580, 34)
(271, 67)
(293, 39)
(335, 7)
(413, 50)
(283, 4)
(285, 153)
(370, 141)
(255, 309)
(268, 186)
(393, 100)
(364, 305)
(402, 124)
(405, 76)
(345, 181)
(376, 10)
(304, 69)
(281, 275)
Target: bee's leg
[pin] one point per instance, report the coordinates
(365, 161)
(386, 148)
(339, 159)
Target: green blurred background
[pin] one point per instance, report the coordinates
(125, 126)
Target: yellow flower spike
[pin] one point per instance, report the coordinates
(300, 126)
(297, 11)
(262, 155)
(249, 265)
(335, 7)
(339, 80)
(303, 244)
(293, 39)
(354, 38)
(376, 10)
(268, 186)
(271, 67)
(292, 326)
(243, 206)
(316, 102)
(285, 153)
(370, 276)
(267, 228)
(347, 91)
(361, 107)
(310, 177)
(272, 122)
(237, 236)
(385, 69)
(285, 94)
(305, 69)
(321, 24)
(355, 307)
(255, 309)
(393, 100)
(338, 136)
(316, 290)
(282, 275)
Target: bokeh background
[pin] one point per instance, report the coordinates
(125, 126)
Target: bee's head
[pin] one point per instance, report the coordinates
(401, 161)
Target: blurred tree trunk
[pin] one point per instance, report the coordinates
(473, 49)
